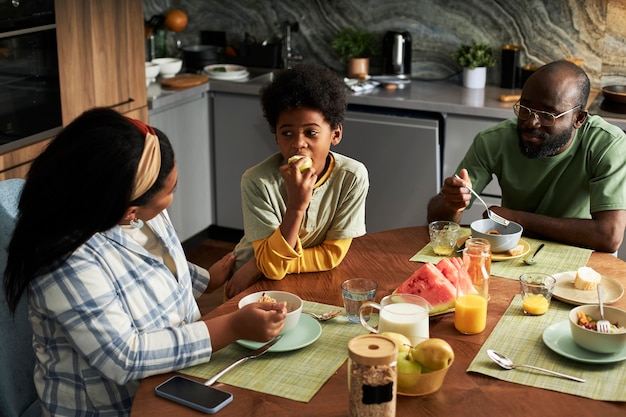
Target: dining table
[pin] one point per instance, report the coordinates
(386, 258)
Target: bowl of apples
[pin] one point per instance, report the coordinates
(421, 368)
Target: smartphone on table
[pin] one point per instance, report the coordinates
(194, 394)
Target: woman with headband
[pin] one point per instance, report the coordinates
(111, 295)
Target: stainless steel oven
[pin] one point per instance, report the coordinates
(30, 102)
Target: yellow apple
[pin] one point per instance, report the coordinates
(306, 164)
(433, 354)
(408, 371)
(403, 342)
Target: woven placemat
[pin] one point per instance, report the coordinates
(520, 338)
(553, 258)
(296, 375)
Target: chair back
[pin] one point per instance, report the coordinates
(18, 397)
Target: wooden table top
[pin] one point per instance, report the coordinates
(384, 257)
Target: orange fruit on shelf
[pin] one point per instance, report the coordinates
(176, 20)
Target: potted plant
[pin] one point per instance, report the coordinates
(475, 58)
(355, 47)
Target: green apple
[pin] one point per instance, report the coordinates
(306, 164)
(408, 371)
(433, 353)
(403, 342)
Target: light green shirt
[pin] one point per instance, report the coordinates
(588, 177)
(336, 210)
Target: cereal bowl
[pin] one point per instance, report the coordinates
(593, 340)
(294, 305)
(502, 238)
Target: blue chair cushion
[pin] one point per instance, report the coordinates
(18, 397)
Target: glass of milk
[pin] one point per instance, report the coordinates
(406, 314)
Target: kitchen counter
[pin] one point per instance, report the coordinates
(434, 96)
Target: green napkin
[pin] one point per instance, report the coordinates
(553, 258)
(520, 338)
(296, 375)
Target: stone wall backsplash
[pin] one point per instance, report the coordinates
(546, 30)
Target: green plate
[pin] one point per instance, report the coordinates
(306, 332)
(558, 338)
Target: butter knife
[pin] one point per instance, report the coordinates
(252, 355)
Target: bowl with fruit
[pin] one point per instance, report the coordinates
(502, 238)
(294, 304)
(582, 321)
(421, 368)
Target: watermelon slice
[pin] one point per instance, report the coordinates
(454, 270)
(429, 283)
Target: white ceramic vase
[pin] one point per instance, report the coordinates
(474, 78)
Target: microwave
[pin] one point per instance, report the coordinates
(30, 98)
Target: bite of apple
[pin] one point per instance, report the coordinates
(306, 163)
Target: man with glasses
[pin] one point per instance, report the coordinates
(562, 172)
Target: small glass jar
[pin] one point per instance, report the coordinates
(372, 376)
(483, 245)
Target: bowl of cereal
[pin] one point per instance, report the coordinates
(502, 238)
(582, 325)
(294, 304)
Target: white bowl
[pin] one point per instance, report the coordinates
(294, 305)
(507, 239)
(152, 71)
(593, 340)
(169, 66)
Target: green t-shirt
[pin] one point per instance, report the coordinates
(588, 177)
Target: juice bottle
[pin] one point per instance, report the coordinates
(470, 315)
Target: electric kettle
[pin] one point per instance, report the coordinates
(397, 53)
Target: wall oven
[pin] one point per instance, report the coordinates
(30, 102)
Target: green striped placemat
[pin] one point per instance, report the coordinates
(520, 338)
(553, 258)
(296, 375)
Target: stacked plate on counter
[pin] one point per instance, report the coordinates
(226, 72)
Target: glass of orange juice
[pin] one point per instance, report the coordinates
(472, 293)
(443, 236)
(536, 289)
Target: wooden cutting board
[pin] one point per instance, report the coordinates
(184, 81)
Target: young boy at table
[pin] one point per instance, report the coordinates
(299, 219)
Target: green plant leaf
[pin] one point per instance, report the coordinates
(354, 43)
(474, 55)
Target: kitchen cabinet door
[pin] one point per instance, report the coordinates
(460, 132)
(186, 124)
(401, 151)
(241, 139)
(101, 56)
(16, 163)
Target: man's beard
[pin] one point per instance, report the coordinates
(550, 144)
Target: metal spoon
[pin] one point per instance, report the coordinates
(325, 316)
(532, 261)
(493, 216)
(506, 363)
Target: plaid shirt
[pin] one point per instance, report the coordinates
(111, 315)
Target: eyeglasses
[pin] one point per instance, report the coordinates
(545, 118)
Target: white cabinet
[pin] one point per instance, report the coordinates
(460, 132)
(187, 126)
(401, 150)
(242, 138)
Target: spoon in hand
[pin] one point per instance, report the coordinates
(507, 363)
(532, 261)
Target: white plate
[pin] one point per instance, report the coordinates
(558, 338)
(226, 71)
(306, 332)
(565, 291)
